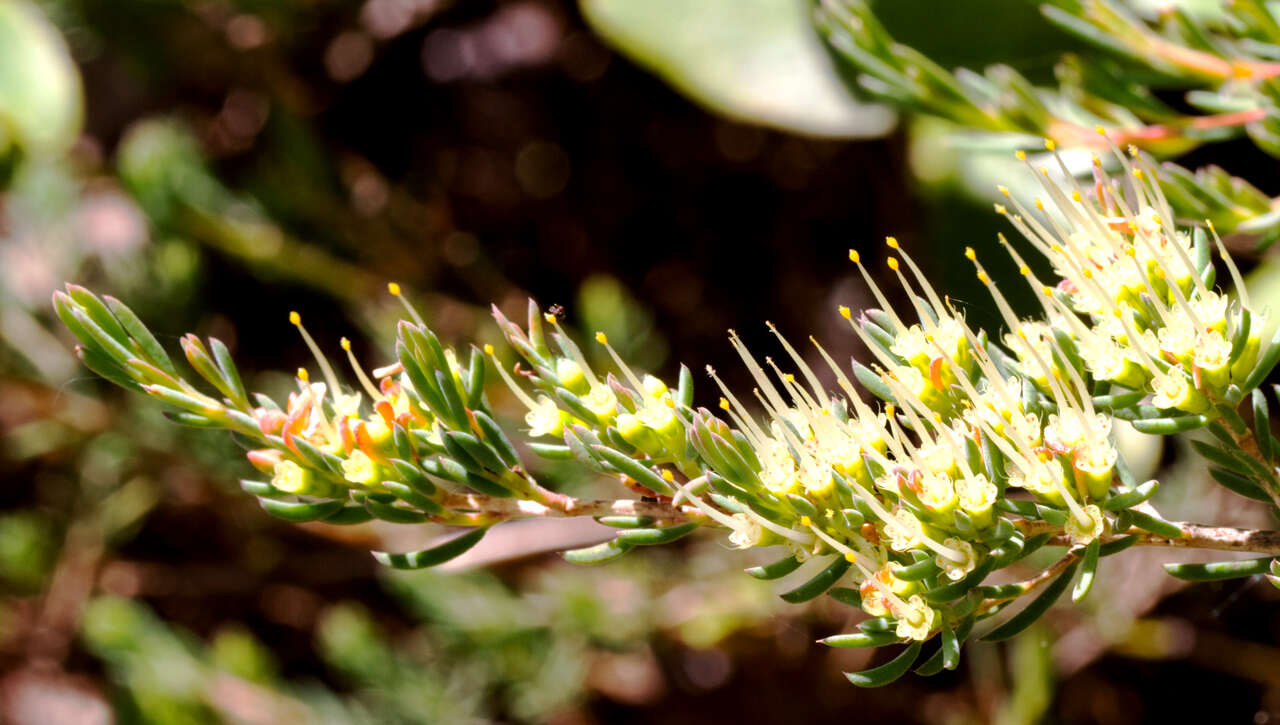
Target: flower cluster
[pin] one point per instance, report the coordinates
(978, 451)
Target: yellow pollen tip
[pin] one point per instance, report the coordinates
(892, 242)
(789, 378)
(1047, 290)
(302, 375)
(806, 521)
(969, 254)
(1159, 273)
(1117, 313)
(1159, 222)
(1097, 161)
(890, 409)
(1101, 131)
(1049, 144)
(893, 263)
(488, 349)
(1003, 190)
(1039, 203)
(845, 312)
(295, 318)
(854, 256)
(345, 343)
(1086, 273)
(1020, 155)
(393, 288)
(550, 318)
(602, 338)
(1137, 173)
(724, 403)
(983, 278)
(1075, 196)
(1024, 270)
(851, 557)
(668, 476)
(1133, 150)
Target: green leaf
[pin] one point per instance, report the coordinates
(1116, 546)
(393, 514)
(497, 438)
(551, 451)
(755, 60)
(1035, 609)
(1219, 570)
(777, 569)
(298, 512)
(348, 515)
(818, 584)
(1266, 363)
(229, 373)
(598, 554)
(655, 537)
(860, 639)
(633, 468)
(434, 556)
(1169, 426)
(1132, 498)
(1241, 485)
(411, 496)
(888, 672)
(1262, 423)
(1156, 526)
(1088, 571)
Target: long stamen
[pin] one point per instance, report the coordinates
(327, 370)
(395, 291)
(365, 382)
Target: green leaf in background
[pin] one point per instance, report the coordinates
(755, 60)
(40, 101)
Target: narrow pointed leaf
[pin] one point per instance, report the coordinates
(434, 556)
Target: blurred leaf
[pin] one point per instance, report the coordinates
(755, 60)
(40, 101)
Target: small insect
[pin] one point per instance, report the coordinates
(557, 311)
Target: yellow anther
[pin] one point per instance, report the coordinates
(1097, 161)
(969, 254)
(1159, 273)
(724, 403)
(345, 343)
(1133, 226)
(1044, 172)
(892, 242)
(1117, 313)
(550, 318)
(890, 410)
(851, 557)
(1020, 154)
(845, 312)
(601, 338)
(1156, 218)
(1001, 210)
(1137, 173)
(1101, 131)
(302, 375)
(1039, 203)
(1047, 290)
(669, 402)
(488, 349)
(1049, 144)
(854, 256)
(1086, 273)
(893, 263)
(806, 521)
(668, 476)
(1024, 270)
(1075, 196)
(937, 417)
(789, 378)
(393, 288)
(295, 318)
(1003, 189)
(983, 278)
(1133, 150)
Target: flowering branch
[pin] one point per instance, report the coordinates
(911, 501)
